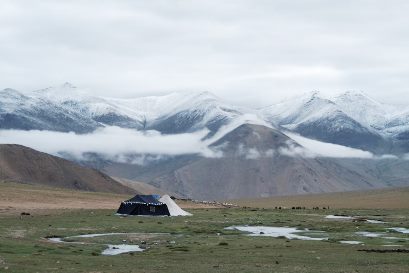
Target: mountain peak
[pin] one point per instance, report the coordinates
(315, 93)
(201, 95)
(352, 95)
(62, 92)
(10, 90)
(57, 88)
(11, 93)
(68, 85)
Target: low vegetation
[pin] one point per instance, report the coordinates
(201, 243)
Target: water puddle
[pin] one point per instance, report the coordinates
(376, 222)
(382, 235)
(287, 232)
(400, 230)
(112, 249)
(55, 240)
(98, 235)
(370, 234)
(354, 218)
(351, 242)
(338, 217)
(119, 249)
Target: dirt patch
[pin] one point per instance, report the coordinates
(17, 234)
(17, 198)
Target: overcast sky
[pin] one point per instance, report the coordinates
(252, 52)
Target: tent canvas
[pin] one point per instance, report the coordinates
(174, 209)
(143, 205)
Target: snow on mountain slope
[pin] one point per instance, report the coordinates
(352, 119)
(380, 118)
(307, 108)
(172, 113)
(324, 119)
(398, 123)
(193, 112)
(366, 110)
(27, 112)
(101, 110)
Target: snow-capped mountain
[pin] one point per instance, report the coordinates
(255, 145)
(30, 112)
(352, 119)
(67, 108)
(181, 112)
(365, 110)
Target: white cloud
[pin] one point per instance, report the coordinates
(315, 148)
(136, 147)
(297, 151)
(110, 141)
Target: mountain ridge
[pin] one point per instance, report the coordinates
(252, 154)
(25, 165)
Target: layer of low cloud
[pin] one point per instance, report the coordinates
(136, 147)
(314, 148)
(113, 142)
(248, 51)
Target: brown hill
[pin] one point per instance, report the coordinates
(141, 187)
(25, 165)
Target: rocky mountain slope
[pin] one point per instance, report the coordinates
(25, 165)
(256, 163)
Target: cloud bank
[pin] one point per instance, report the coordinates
(315, 148)
(136, 147)
(110, 141)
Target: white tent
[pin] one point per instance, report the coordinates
(174, 209)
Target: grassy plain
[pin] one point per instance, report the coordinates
(186, 244)
(199, 243)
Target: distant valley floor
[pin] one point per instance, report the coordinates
(16, 198)
(389, 198)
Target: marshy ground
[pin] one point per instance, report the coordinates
(201, 243)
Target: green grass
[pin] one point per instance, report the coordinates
(199, 243)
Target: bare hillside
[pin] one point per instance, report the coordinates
(252, 166)
(25, 165)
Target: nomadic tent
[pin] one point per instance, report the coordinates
(174, 209)
(151, 205)
(143, 205)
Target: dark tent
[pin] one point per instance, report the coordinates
(143, 205)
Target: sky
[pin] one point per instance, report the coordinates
(250, 52)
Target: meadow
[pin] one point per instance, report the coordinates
(201, 243)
